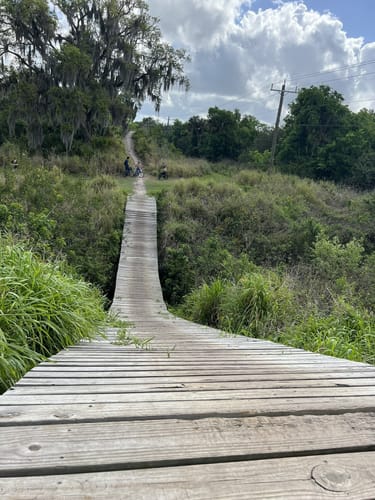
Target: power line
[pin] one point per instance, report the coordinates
(296, 77)
(361, 100)
(358, 75)
(349, 77)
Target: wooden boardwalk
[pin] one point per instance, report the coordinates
(197, 415)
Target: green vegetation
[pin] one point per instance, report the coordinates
(271, 256)
(126, 338)
(73, 70)
(43, 309)
(59, 215)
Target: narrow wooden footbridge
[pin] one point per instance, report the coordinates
(197, 415)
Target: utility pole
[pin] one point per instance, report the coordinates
(276, 129)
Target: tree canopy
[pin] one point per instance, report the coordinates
(222, 135)
(76, 67)
(325, 140)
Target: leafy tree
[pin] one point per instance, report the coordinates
(263, 138)
(223, 134)
(248, 131)
(319, 134)
(196, 127)
(363, 171)
(221, 138)
(81, 66)
(181, 137)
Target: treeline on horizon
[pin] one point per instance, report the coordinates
(320, 139)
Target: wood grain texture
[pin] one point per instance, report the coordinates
(98, 412)
(144, 444)
(292, 478)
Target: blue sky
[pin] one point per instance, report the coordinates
(239, 48)
(357, 16)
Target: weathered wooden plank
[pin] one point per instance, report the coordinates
(158, 372)
(120, 366)
(100, 376)
(173, 354)
(103, 346)
(169, 364)
(173, 385)
(126, 351)
(92, 447)
(182, 378)
(96, 412)
(321, 477)
(203, 395)
(165, 363)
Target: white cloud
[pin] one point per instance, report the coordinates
(238, 52)
(197, 23)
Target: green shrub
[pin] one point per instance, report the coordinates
(334, 260)
(177, 273)
(204, 304)
(257, 305)
(366, 282)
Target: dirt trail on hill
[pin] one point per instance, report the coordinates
(130, 147)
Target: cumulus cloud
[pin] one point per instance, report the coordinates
(197, 24)
(238, 51)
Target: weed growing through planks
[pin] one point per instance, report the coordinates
(125, 338)
(169, 350)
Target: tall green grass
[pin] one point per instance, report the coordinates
(43, 309)
(204, 304)
(347, 332)
(260, 303)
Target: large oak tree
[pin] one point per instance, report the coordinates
(79, 66)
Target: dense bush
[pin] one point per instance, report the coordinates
(347, 332)
(60, 214)
(273, 219)
(258, 304)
